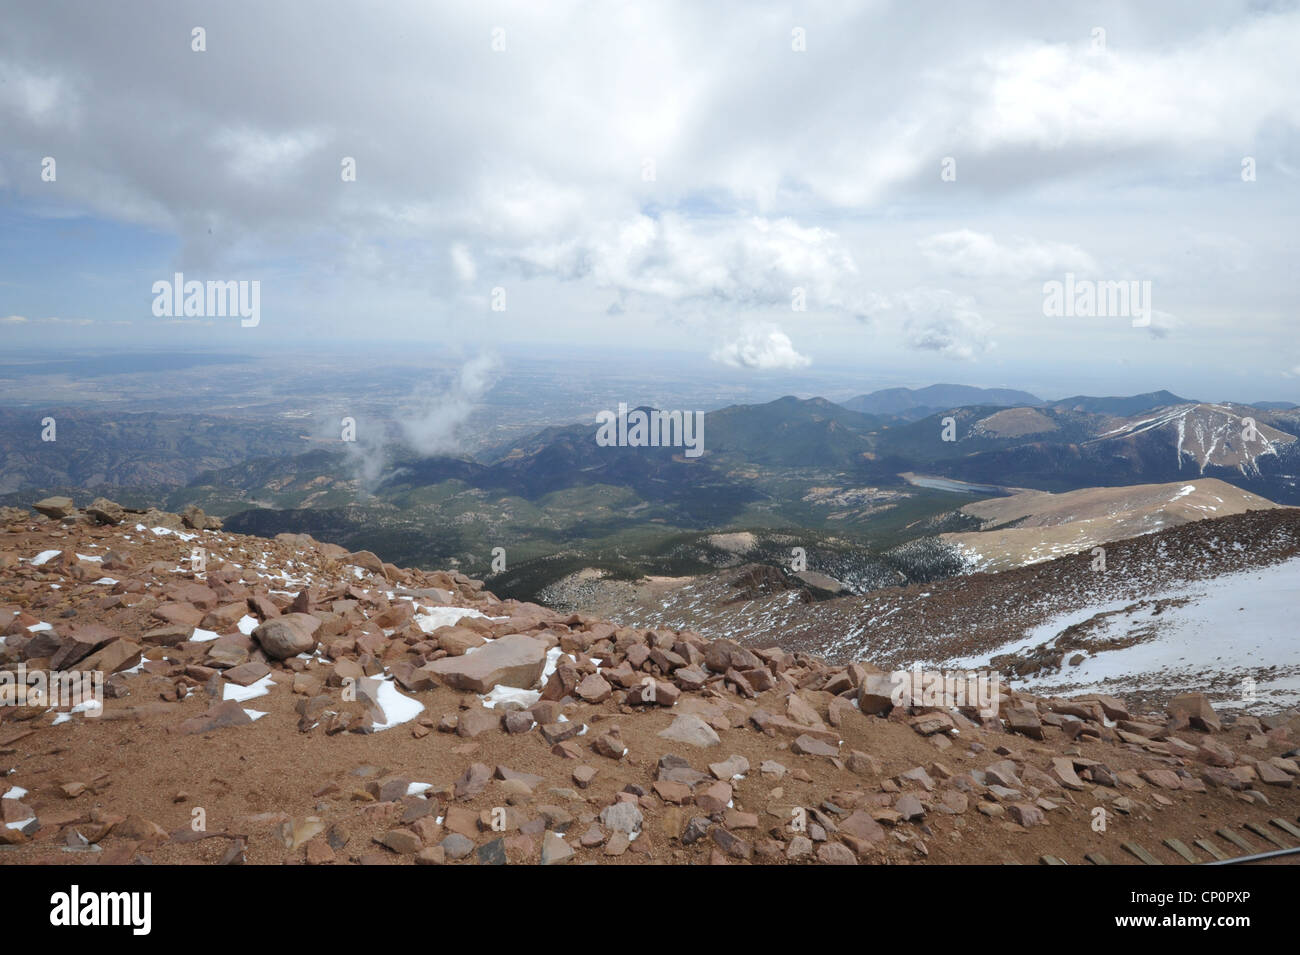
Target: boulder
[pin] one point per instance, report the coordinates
(690, 729)
(288, 635)
(115, 656)
(1196, 710)
(56, 508)
(105, 511)
(513, 660)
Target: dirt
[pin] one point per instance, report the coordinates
(138, 771)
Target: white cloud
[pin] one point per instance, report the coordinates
(978, 254)
(256, 156)
(1162, 323)
(1189, 95)
(938, 320)
(773, 170)
(761, 347)
(749, 262)
(49, 320)
(463, 262)
(435, 429)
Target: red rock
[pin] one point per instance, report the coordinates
(594, 689)
(672, 792)
(1216, 754)
(116, 656)
(218, 716)
(714, 798)
(835, 853)
(457, 640)
(808, 746)
(1196, 709)
(288, 635)
(876, 694)
(79, 643)
(476, 720)
(1025, 720)
(610, 745)
(909, 807)
(263, 607)
(178, 614)
(513, 660)
(167, 636)
(1273, 775)
(555, 851)
(731, 768)
(723, 655)
(1026, 814)
(927, 724)
(861, 826)
(690, 729)
(1164, 778)
(248, 673)
(862, 764)
(732, 844)
(1144, 730)
(473, 781)
(1063, 772)
(225, 617)
(690, 678)
(401, 841)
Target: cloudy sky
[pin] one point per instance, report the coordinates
(675, 176)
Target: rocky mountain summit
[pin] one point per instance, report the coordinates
(288, 701)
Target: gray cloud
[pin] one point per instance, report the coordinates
(772, 169)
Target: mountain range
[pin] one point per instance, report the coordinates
(856, 484)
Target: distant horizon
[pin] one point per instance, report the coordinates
(776, 384)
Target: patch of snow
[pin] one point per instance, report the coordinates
(1233, 627)
(398, 708)
(509, 694)
(434, 617)
(233, 691)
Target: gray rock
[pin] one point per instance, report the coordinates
(690, 729)
(55, 508)
(555, 851)
(106, 511)
(456, 846)
(622, 817)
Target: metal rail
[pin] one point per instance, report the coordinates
(1256, 858)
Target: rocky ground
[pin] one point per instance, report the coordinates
(284, 701)
(974, 616)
